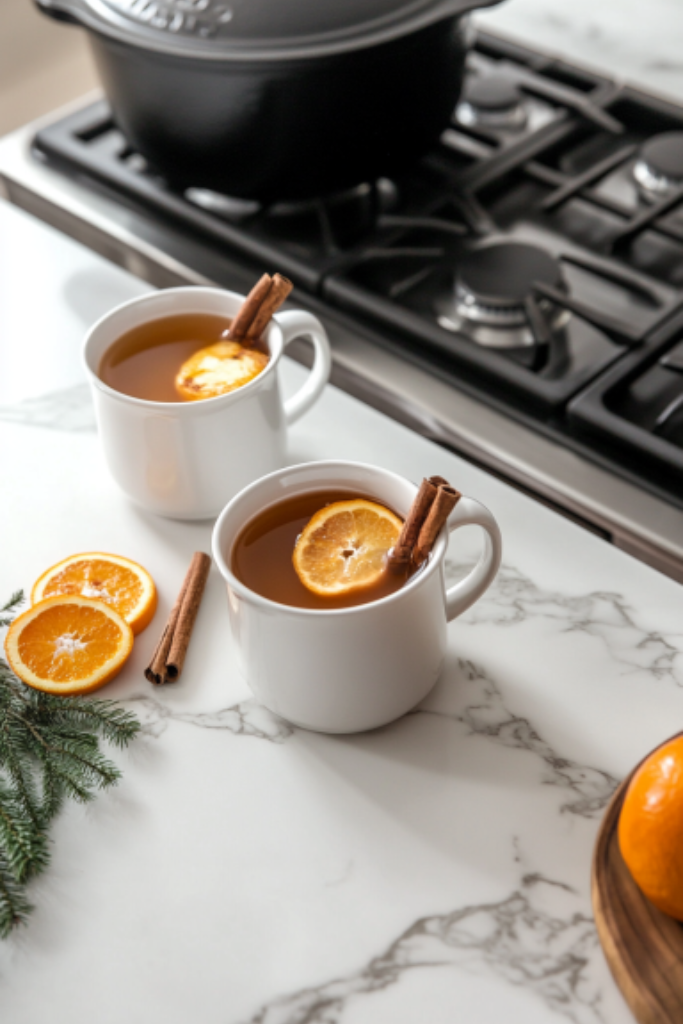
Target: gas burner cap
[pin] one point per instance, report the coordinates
(491, 289)
(497, 278)
(658, 170)
(493, 101)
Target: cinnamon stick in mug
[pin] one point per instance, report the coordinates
(401, 554)
(254, 315)
(279, 290)
(249, 308)
(445, 501)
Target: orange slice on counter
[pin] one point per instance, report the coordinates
(218, 369)
(68, 645)
(119, 582)
(343, 548)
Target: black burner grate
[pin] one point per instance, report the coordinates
(641, 406)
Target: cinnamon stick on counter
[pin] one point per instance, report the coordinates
(169, 655)
(432, 506)
(194, 588)
(264, 299)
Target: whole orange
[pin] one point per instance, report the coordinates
(651, 828)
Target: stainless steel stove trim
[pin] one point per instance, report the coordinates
(633, 520)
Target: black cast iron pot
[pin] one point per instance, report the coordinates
(277, 99)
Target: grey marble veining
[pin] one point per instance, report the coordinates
(515, 599)
(249, 718)
(481, 707)
(475, 701)
(536, 936)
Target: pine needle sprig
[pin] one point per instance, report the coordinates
(18, 764)
(24, 846)
(104, 717)
(49, 752)
(12, 606)
(14, 906)
(77, 764)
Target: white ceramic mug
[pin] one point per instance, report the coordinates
(350, 669)
(186, 459)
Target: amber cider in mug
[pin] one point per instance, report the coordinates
(145, 360)
(261, 556)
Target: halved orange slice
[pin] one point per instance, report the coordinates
(343, 548)
(218, 369)
(68, 645)
(119, 582)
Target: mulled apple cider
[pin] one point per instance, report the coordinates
(181, 358)
(324, 549)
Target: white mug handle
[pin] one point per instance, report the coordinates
(460, 596)
(294, 323)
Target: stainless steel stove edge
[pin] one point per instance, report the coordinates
(628, 517)
(632, 519)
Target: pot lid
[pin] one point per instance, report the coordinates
(257, 29)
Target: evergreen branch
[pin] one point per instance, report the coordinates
(14, 906)
(22, 777)
(12, 606)
(74, 763)
(49, 751)
(102, 717)
(53, 792)
(15, 600)
(11, 688)
(23, 846)
(18, 764)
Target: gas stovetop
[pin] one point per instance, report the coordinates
(533, 259)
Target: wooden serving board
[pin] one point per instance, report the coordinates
(643, 947)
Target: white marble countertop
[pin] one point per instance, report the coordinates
(244, 872)
(631, 40)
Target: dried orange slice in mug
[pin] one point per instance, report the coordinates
(343, 548)
(218, 369)
(119, 582)
(68, 645)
